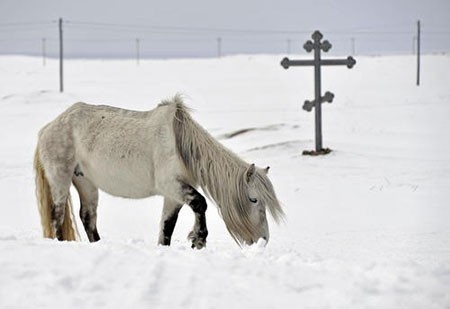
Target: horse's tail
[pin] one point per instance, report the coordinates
(45, 205)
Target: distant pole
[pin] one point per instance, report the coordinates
(418, 52)
(288, 46)
(138, 56)
(61, 84)
(353, 46)
(219, 47)
(43, 51)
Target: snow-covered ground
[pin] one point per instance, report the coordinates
(368, 226)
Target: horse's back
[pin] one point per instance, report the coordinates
(82, 120)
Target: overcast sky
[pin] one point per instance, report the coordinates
(107, 28)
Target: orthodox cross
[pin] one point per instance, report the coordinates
(317, 46)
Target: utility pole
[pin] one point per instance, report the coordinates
(61, 83)
(418, 53)
(219, 47)
(138, 56)
(43, 51)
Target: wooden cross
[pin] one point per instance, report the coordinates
(317, 46)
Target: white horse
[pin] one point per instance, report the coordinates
(139, 154)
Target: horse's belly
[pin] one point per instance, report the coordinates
(128, 182)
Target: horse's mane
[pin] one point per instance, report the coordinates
(220, 173)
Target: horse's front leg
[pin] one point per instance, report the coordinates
(169, 218)
(198, 204)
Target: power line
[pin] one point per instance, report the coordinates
(374, 30)
(26, 28)
(31, 23)
(236, 39)
(187, 29)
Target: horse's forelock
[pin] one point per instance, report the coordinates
(235, 212)
(237, 217)
(266, 193)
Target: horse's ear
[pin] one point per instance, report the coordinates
(250, 174)
(267, 170)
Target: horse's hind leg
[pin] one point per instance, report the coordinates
(58, 175)
(169, 218)
(88, 200)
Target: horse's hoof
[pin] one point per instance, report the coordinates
(197, 242)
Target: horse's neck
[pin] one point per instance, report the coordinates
(211, 164)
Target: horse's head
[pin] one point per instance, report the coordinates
(247, 221)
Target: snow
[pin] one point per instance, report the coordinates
(367, 226)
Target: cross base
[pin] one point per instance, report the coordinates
(323, 151)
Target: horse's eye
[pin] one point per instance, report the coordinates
(253, 200)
